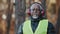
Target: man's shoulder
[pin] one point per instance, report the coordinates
(22, 24)
(50, 25)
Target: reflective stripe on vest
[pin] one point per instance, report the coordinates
(41, 29)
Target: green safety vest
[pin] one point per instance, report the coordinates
(41, 29)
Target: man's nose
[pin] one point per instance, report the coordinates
(35, 11)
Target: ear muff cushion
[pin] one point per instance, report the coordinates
(28, 12)
(42, 12)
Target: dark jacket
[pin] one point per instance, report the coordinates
(34, 25)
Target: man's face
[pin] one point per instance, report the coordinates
(35, 11)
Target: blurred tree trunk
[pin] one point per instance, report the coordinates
(20, 13)
(9, 12)
(44, 6)
(58, 14)
(58, 22)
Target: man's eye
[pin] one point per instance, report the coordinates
(36, 9)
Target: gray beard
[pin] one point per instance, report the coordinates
(35, 17)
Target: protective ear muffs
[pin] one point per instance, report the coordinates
(42, 11)
(29, 12)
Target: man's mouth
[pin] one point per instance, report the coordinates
(35, 16)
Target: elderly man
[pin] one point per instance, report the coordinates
(37, 24)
